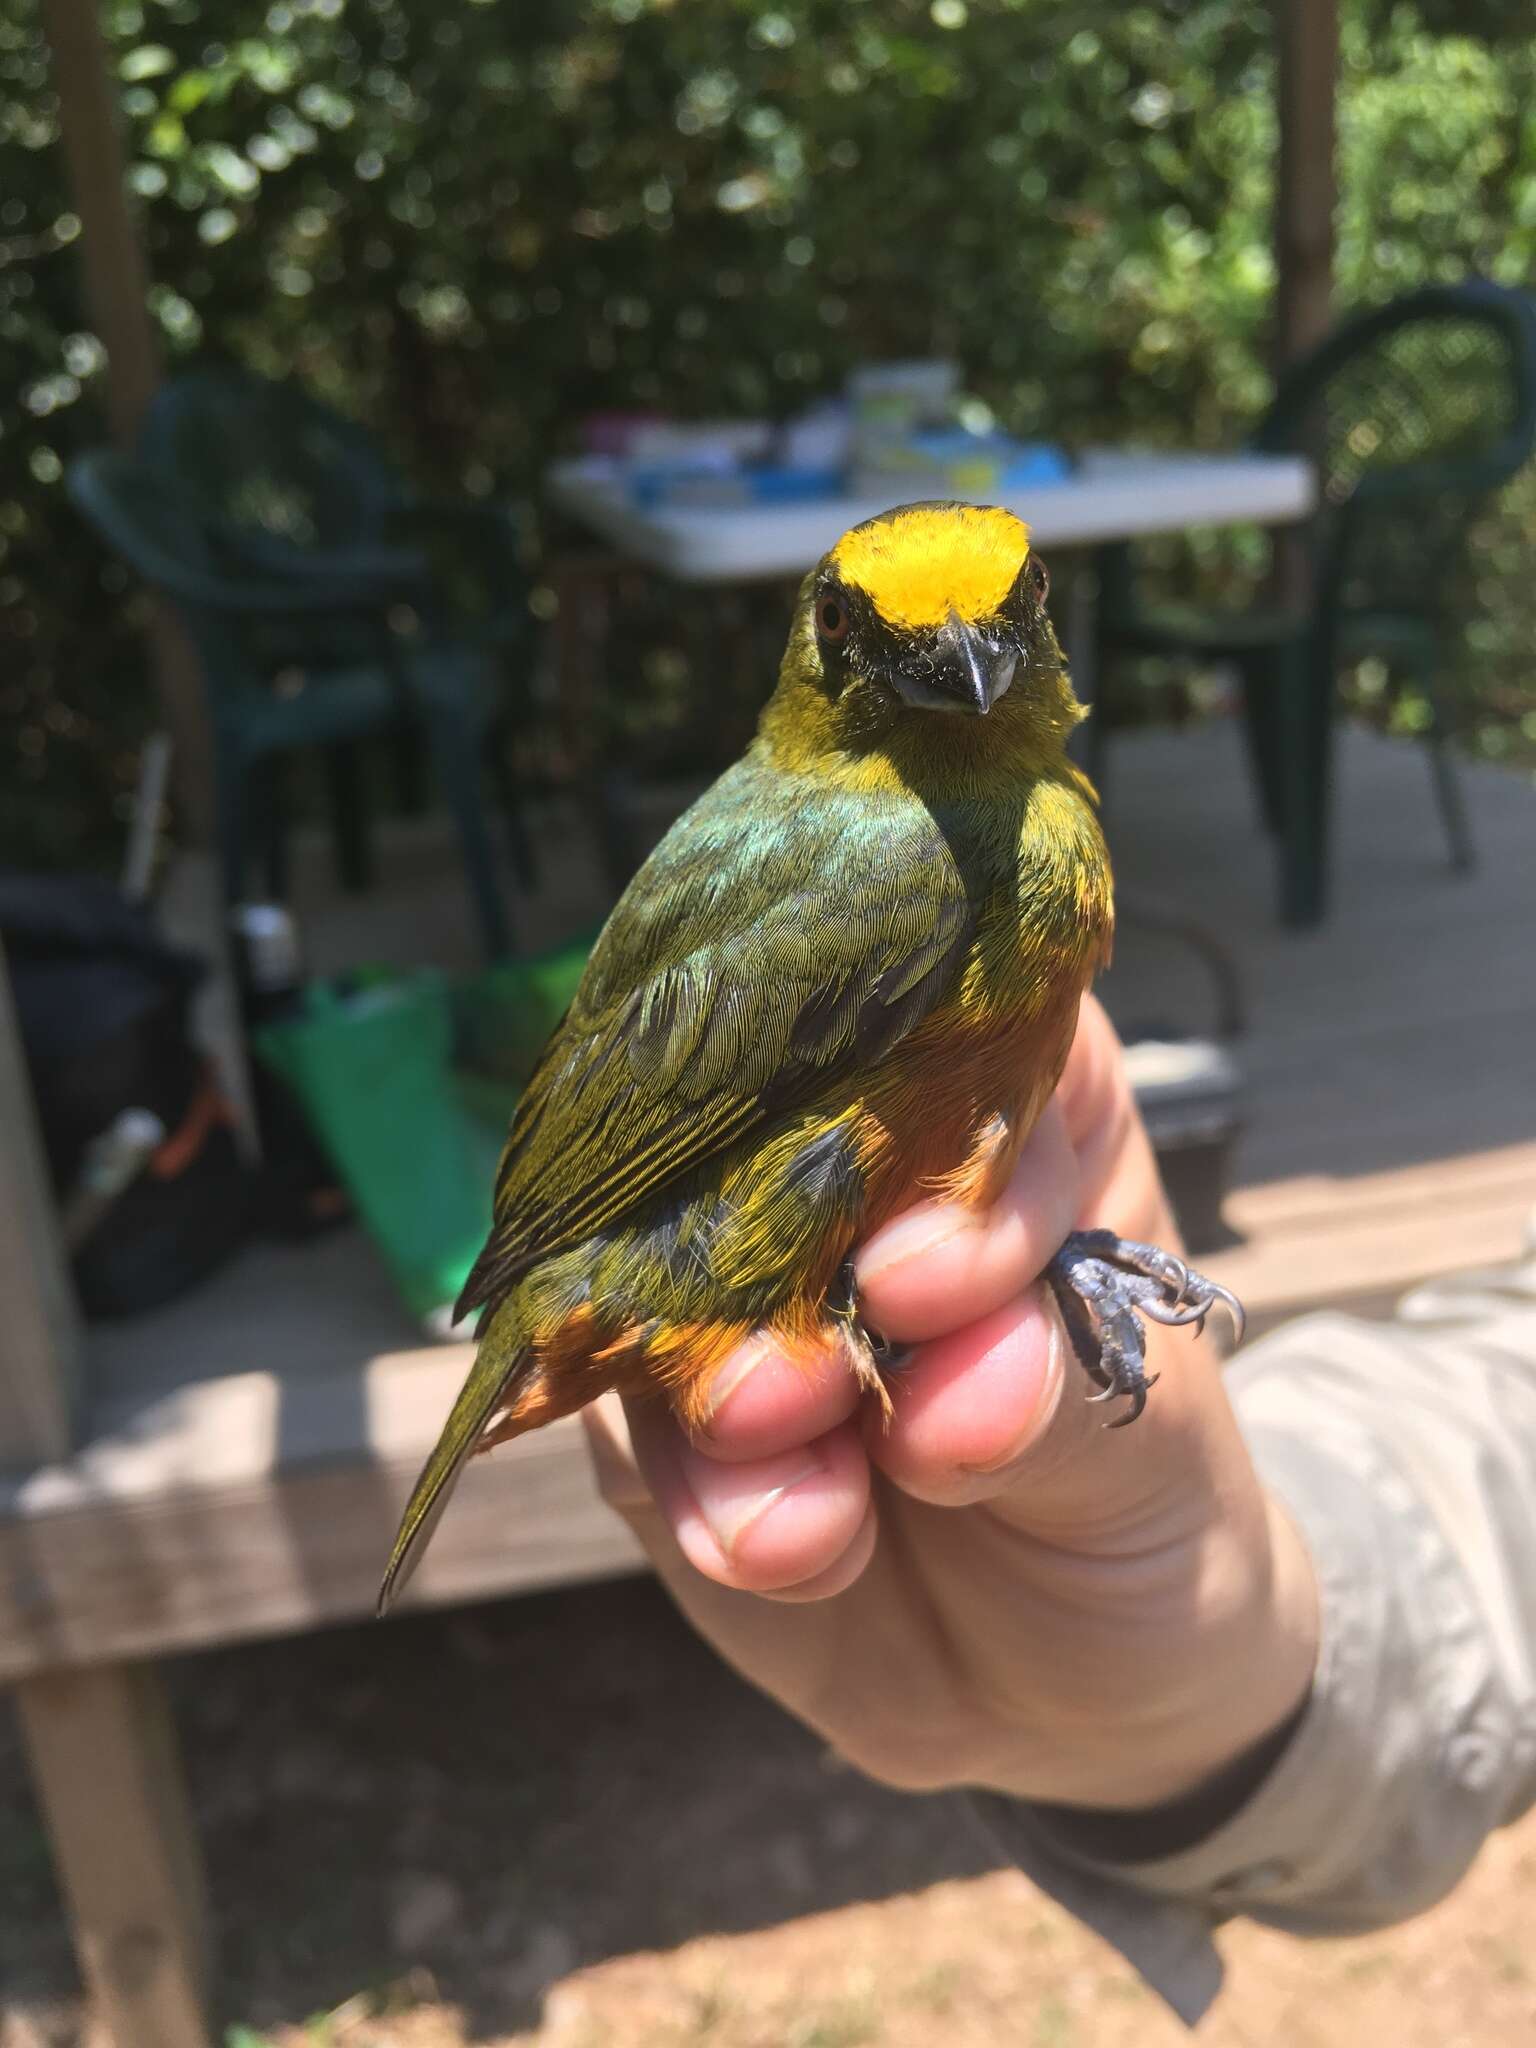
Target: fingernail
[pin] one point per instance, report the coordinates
(737, 1369)
(911, 1236)
(729, 1510)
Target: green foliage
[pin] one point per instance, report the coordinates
(470, 223)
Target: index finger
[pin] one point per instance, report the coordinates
(762, 1402)
(934, 1269)
(939, 1265)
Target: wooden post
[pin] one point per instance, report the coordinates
(103, 1754)
(39, 1337)
(1307, 39)
(99, 1741)
(116, 291)
(116, 281)
(1307, 51)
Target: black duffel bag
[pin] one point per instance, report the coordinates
(103, 1004)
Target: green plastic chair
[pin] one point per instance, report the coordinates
(297, 488)
(1415, 413)
(302, 659)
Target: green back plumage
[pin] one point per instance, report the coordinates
(781, 930)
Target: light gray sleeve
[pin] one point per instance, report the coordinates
(1405, 1453)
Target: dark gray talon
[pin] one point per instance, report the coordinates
(1233, 1307)
(1103, 1286)
(1138, 1400)
(843, 1295)
(1172, 1272)
(888, 1356)
(843, 1302)
(1192, 1312)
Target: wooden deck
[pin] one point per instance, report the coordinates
(1390, 1055)
(245, 1452)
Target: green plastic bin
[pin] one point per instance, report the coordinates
(408, 1080)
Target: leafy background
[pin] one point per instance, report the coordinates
(470, 223)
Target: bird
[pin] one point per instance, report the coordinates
(848, 976)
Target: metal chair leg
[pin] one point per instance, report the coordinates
(1095, 731)
(266, 787)
(456, 751)
(1306, 717)
(509, 800)
(349, 817)
(1451, 802)
(232, 823)
(408, 771)
(1263, 682)
(613, 809)
(1450, 799)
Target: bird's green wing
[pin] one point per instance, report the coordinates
(779, 934)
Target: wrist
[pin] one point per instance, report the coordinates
(1244, 1621)
(1249, 1661)
(1183, 1819)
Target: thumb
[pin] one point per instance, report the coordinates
(992, 1406)
(997, 1413)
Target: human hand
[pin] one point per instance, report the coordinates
(994, 1590)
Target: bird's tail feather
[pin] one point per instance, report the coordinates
(494, 1381)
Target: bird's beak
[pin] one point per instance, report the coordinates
(968, 672)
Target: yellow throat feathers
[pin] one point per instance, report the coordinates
(931, 560)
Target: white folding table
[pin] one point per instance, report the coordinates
(1110, 495)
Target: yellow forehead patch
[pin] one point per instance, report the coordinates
(925, 561)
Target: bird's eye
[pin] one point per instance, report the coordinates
(832, 620)
(1039, 579)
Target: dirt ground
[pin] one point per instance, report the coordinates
(558, 1821)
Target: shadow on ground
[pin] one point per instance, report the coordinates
(497, 1797)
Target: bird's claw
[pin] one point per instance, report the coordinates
(1233, 1307)
(1164, 1267)
(1161, 1312)
(1202, 1296)
(1138, 1400)
(843, 1304)
(1103, 1285)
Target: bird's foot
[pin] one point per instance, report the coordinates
(1103, 1285)
(870, 1353)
